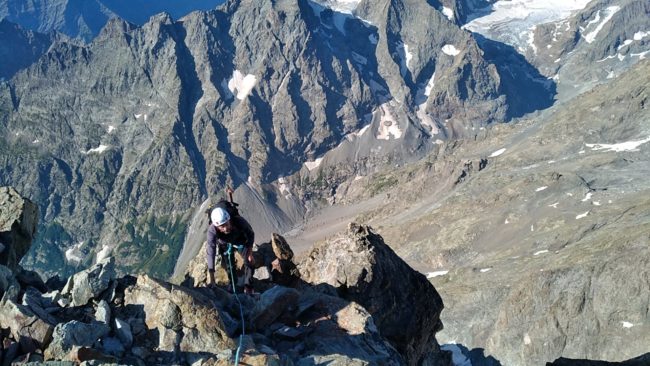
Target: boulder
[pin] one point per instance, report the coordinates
(18, 220)
(103, 312)
(362, 268)
(68, 337)
(24, 324)
(272, 304)
(179, 309)
(90, 283)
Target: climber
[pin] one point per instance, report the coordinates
(227, 233)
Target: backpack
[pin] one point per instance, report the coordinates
(230, 207)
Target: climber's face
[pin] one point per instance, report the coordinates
(226, 228)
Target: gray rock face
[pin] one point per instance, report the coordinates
(362, 268)
(195, 104)
(18, 221)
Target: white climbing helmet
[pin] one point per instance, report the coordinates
(219, 216)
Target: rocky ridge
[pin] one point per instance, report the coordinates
(100, 318)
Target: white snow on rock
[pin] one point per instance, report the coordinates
(497, 153)
(483, 270)
(311, 165)
(73, 253)
(627, 324)
(450, 50)
(387, 125)
(627, 42)
(36, 141)
(609, 13)
(423, 95)
(541, 252)
(623, 146)
(342, 6)
(582, 215)
(457, 356)
(541, 189)
(242, 84)
(640, 55)
(640, 35)
(110, 129)
(509, 21)
(284, 187)
(436, 274)
(137, 115)
(587, 197)
(554, 205)
(100, 149)
(103, 254)
(448, 13)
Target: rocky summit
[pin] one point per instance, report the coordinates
(100, 318)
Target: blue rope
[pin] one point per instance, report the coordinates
(241, 308)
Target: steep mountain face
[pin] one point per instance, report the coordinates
(20, 48)
(535, 234)
(84, 19)
(155, 119)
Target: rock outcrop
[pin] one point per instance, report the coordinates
(362, 268)
(100, 318)
(18, 221)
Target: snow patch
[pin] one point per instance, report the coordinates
(483, 270)
(423, 95)
(527, 340)
(311, 165)
(358, 177)
(596, 203)
(448, 13)
(100, 149)
(103, 254)
(640, 55)
(436, 274)
(450, 50)
(587, 197)
(284, 187)
(640, 35)
(554, 205)
(36, 141)
(73, 254)
(242, 84)
(609, 13)
(541, 189)
(110, 129)
(582, 215)
(627, 324)
(341, 6)
(623, 146)
(541, 252)
(387, 125)
(498, 152)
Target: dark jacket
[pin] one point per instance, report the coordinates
(241, 234)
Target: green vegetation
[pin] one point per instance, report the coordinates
(157, 242)
(382, 183)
